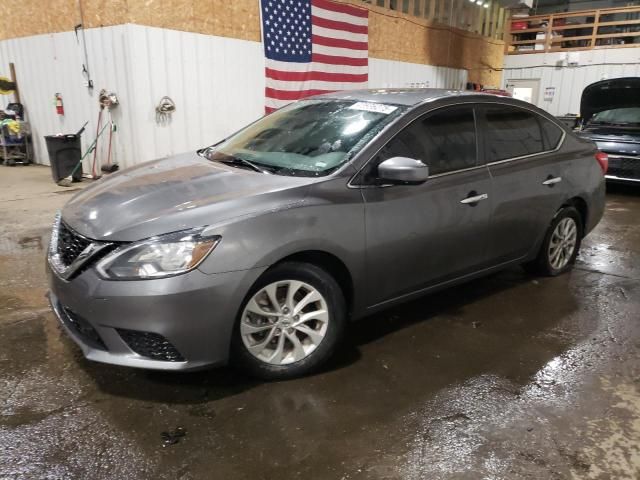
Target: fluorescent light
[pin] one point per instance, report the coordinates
(486, 5)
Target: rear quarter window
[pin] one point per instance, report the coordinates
(551, 134)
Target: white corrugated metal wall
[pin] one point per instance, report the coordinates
(569, 81)
(49, 64)
(217, 84)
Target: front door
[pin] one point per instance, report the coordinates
(422, 235)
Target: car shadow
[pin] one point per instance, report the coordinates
(451, 300)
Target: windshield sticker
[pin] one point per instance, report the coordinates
(373, 107)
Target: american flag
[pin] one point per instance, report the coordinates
(313, 47)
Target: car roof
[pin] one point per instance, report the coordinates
(400, 96)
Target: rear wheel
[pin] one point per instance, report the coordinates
(290, 323)
(561, 244)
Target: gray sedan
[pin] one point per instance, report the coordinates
(258, 250)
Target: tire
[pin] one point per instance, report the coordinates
(545, 263)
(277, 355)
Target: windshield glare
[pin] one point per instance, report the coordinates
(618, 116)
(308, 137)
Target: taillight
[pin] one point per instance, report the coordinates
(603, 160)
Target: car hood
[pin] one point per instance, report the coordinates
(177, 193)
(609, 94)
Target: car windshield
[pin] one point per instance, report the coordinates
(618, 116)
(306, 138)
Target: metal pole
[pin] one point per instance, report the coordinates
(84, 45)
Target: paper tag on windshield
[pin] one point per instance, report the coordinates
(373, 107)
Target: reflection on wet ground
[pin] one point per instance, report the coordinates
(506, 377)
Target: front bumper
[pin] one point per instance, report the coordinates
(623, 168)
(189, 318)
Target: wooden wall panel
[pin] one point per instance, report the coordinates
(33, 17)
(237, 19)
(393, 35)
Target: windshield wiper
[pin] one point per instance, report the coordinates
(210, 154)
(237, 161)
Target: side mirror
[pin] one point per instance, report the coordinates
(403, 170)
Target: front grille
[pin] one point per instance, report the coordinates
(624, 167)
(150, 345)
(70, 244)
(81, 328)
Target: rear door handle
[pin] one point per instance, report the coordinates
(474, 199)
(550, 181)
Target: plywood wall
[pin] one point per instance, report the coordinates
(393, 35)
(396, 36)
(227, 18)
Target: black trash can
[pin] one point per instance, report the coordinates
(64, 154)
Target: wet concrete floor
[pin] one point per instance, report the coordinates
(507, 377)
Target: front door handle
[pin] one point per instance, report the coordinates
(551, 181)
(473, 199)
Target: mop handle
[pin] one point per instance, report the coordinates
(95, 152)
(110, 138)
(91, 147)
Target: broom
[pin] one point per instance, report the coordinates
(67, 181)
(110, 167)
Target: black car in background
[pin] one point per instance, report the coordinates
(610, 116)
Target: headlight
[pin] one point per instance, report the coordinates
(158, 257)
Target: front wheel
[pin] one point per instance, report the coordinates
(561, 244)
(290, 322)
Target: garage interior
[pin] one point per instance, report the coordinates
(504, 377)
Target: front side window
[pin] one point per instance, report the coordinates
(512, 132)
(445, 140)
(308, 137)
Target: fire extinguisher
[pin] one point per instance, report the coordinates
(59, 104)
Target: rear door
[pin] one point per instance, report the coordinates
(527, 176)
(421, 235)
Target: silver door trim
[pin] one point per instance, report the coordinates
(531, 155)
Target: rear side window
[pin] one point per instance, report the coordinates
(444, 140)
(551, 134)
(512, 132)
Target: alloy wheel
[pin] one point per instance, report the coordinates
(284, 322)
(563, 242)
